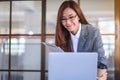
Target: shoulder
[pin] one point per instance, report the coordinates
(90, 30)
(90, 27)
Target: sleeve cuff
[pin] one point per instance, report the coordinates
(102, 66)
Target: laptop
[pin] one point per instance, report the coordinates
(72, 66)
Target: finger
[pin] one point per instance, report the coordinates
(103, 77)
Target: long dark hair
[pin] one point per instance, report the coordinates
(62, 37)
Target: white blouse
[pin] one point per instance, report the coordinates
(75, 39)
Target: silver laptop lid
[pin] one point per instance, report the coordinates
(72, 66)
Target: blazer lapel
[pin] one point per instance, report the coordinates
(83, 38)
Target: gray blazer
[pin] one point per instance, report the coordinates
(90, 41)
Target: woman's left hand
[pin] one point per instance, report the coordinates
(103, 77)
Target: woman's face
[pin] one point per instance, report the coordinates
(70, 20)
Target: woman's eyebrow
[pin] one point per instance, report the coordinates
(68, 15)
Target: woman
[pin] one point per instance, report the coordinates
(75, 34)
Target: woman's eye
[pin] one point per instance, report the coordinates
(71, 17)
(63, 19)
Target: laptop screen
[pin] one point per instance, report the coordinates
(72, 66)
